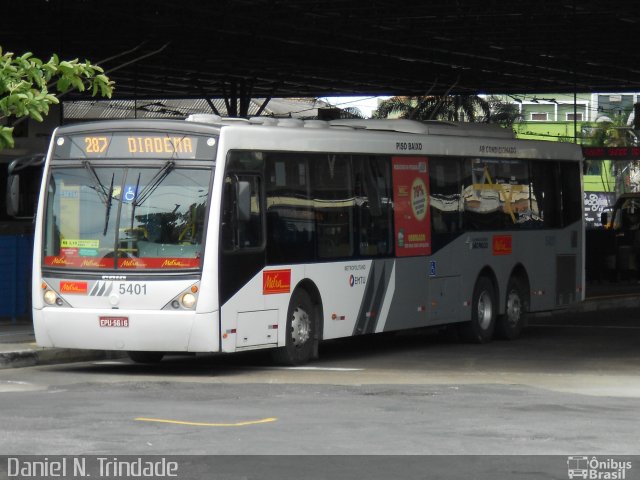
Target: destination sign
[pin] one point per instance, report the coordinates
(135, 145)
(611, 153)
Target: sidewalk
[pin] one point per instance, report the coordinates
(608, 295)
(18, 347)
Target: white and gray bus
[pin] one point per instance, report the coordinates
(228, 235)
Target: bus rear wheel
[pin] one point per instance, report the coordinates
(301, 331)
(483, 314)
(146, 357)
(510, 324)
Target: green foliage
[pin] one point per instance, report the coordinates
(26, 85)
(610, 132)
(503, 113)
(453, 108)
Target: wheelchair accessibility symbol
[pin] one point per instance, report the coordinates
(129, 193)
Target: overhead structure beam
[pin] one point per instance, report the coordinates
(238, 49)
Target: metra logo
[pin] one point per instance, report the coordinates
(360, 280)
(132, 263)
(73, 287)
(502, 245)
(92, 263)
(174, 263)
(276, 281)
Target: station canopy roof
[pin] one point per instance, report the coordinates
(316, 48)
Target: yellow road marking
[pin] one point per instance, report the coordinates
(202, 424)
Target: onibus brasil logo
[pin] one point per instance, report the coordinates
(579, 466)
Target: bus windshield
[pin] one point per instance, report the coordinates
(140, 218)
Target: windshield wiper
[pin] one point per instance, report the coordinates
(133, 203)
(155, 182)
(97, 184)
(107, 214)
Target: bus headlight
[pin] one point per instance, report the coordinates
(188, 300)
(50, 297)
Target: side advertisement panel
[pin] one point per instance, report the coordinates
(411, 206)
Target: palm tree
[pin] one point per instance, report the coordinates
(454, 108)
(503, 113)
(615, 132)
(612, 132)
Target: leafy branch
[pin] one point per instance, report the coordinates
(29, 86)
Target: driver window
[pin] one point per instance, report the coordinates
(238, 233)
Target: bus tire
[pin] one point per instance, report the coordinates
(300, 331)
(483, 314)
(510, 325)
(146, 357)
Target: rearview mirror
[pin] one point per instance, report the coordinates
(243, 196)
(13, 195)
(23, 185)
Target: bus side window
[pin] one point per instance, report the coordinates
(444, 174)
(482, 195)
(545, 194)
(373, 201)
(572, 202)
(334, 205)
(291, 228)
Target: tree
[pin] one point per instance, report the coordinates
(27, 83)
(503, 113)
(614, 132)
(611, 132)
(453, 108)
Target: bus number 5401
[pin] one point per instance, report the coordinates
(133, 289)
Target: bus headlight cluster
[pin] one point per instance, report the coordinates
(50, 297)
(188, 300)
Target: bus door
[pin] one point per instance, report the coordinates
(242, 257)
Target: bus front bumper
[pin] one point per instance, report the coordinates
(128, 330)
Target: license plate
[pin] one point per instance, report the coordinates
(114, 321)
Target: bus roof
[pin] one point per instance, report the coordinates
(384, 135)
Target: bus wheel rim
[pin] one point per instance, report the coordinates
(300, 327)
(514, 308)
(485, 310)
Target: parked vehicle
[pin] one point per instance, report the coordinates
(621, 245)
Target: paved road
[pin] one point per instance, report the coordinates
(570, 384)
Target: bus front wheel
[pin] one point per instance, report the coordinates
(301, 331)
(146, 357)
(483, 314)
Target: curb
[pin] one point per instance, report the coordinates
(46, 356)
(609, 302)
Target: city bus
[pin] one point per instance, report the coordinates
(227, 235)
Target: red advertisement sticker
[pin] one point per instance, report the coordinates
(150, 262)
(411, 212)
(502, 245)
(79, 288)
(69, 252)
(276, 281)
(78, 262)
(124, 263)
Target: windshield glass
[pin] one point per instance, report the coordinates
(126, 218)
